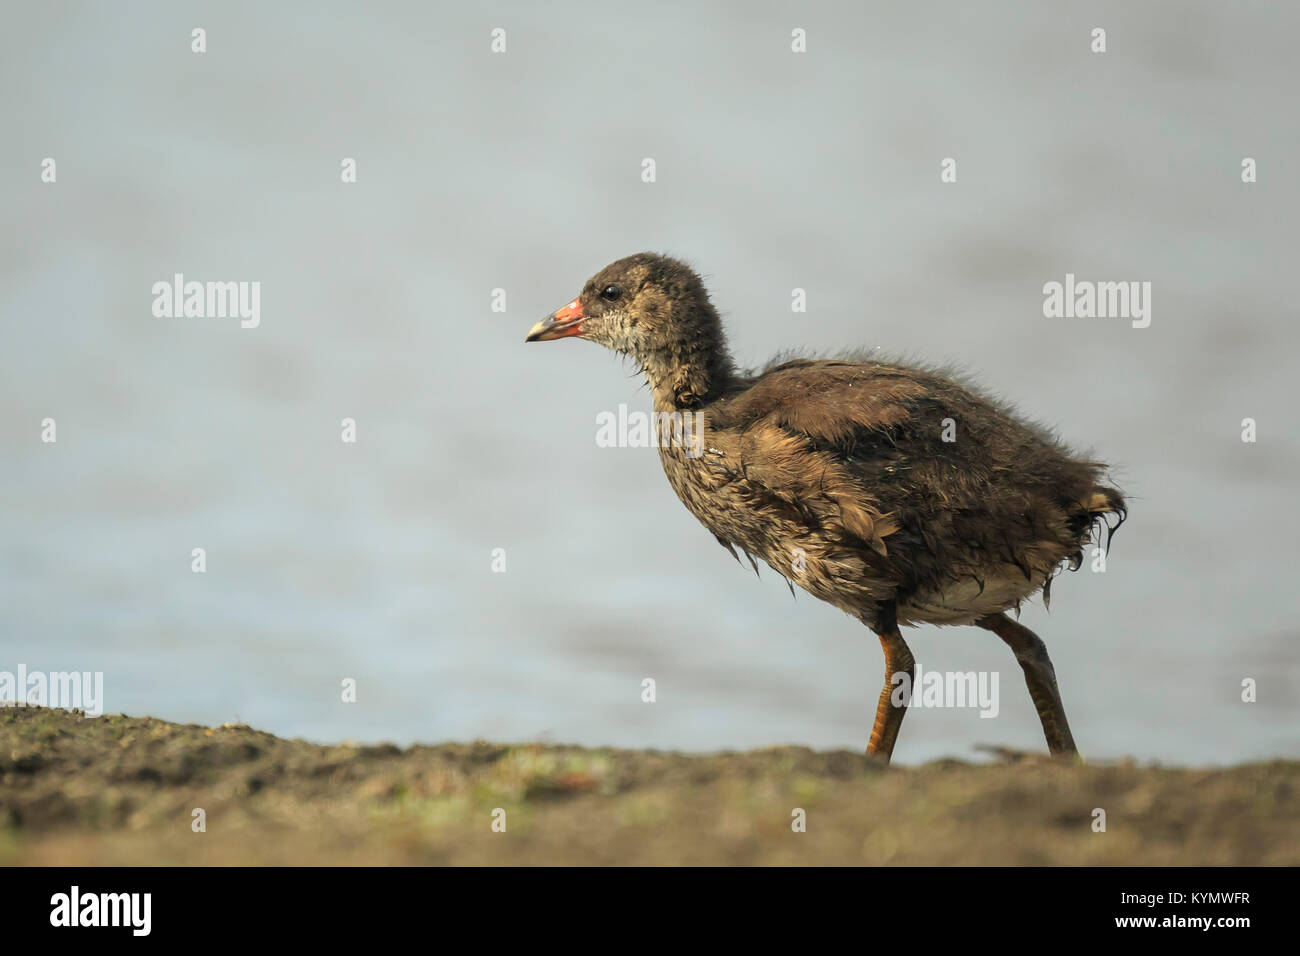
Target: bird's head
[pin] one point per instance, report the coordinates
(650, 307)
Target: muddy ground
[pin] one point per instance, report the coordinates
(117, 789)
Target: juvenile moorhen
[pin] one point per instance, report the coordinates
(893, 492)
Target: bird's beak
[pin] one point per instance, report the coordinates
(560, 324)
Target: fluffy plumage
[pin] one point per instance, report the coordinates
(836, 472)
(892, 491)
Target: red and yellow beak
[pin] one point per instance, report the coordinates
(561, 324)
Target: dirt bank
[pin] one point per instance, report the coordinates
(116, 789)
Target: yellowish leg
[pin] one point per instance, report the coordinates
(898, 660)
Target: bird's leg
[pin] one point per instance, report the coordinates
(898, 660)
(1040, 677)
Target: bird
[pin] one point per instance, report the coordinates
(897, 492)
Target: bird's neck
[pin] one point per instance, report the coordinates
(694, 372)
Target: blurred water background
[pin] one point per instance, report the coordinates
(521, 171)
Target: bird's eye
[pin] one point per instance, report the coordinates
(610, 293)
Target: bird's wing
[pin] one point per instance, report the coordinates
(882, 450)
(805, 432)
